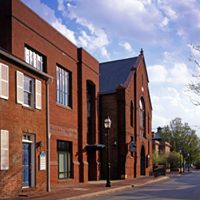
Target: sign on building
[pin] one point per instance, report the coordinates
(132, 147)
(42, 161)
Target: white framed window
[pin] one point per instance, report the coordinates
(4, 149)
(34, 58)
(29, 91)
(4, 81)
(63, 86)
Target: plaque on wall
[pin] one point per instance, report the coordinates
(42, 161)
(132, 147)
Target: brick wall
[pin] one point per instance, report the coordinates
(88, 73)
(142, 91)
(18, 120)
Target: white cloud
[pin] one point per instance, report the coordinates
(178, 74)
(127, 46)
(48, 14)
(169, 94)
(92, 38)
(157, 73)
(146, 20)
(169, 103)
(104, 52)
(128, 18)
(164, 22)
(170, 57)
(61, 6)
(185, 16)
(65, 31)
(168, 11)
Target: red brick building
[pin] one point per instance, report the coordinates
(72, 110)
(125, 98)
(23, 126)
(50, 108)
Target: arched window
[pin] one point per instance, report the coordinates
(142, 117)
(131, 113)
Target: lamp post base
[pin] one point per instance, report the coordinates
(108, 184)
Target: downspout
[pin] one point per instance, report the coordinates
(135, 118)
(48, 136)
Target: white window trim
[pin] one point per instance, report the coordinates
(19, 87)
(33, 58)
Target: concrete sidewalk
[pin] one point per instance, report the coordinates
(91, 189)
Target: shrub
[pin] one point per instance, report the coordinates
(159, 159)
(197, 164)
(173, 159)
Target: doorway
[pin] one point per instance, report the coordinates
(28, 160)
(91, 130)
(142, 161)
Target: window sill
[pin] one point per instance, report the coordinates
(63, 106)
(28, 107)
(4, 98)
(65, 179)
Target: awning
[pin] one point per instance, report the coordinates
(95, 147)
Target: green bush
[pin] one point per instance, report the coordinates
(159, 159)
(197, 164)
(173, 159)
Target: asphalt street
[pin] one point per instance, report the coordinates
(182, 187)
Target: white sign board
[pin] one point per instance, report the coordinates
(42, 157)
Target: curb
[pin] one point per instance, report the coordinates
(152, 181)
(118, 189)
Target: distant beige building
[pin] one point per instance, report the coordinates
(159, 146)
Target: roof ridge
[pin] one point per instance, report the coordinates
(119, 60)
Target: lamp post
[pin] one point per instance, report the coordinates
(188, 155)
(180, 160)
(107, 125)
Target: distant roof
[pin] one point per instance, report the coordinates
(114, 73)
(156, 136)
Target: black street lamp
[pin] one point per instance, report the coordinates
(188, 155)
(107, 125)
(180, 161)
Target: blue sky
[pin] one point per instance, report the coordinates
(115, 29)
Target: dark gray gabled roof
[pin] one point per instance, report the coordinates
(114, 73)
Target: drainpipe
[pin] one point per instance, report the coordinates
(48, 136)
(136, 126)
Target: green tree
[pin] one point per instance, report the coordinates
(174, 160)
(182, 138)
